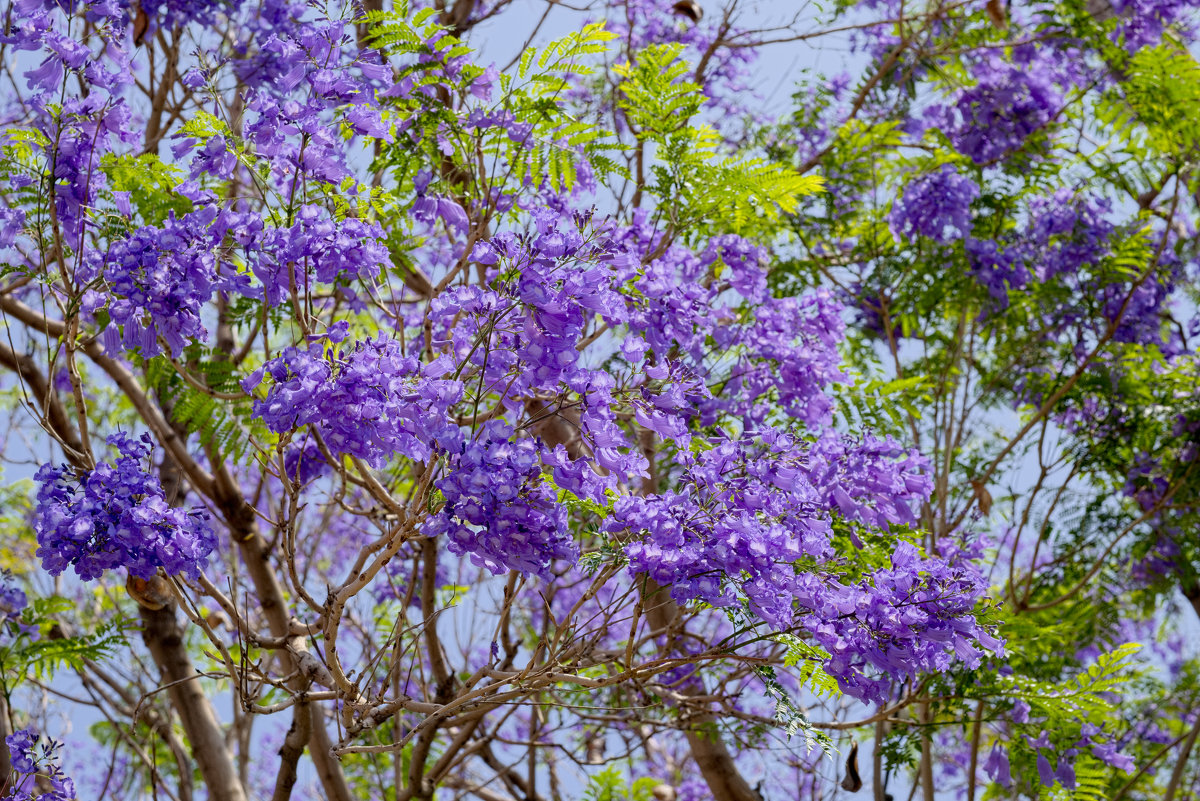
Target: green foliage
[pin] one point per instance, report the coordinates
(558, 143)
(789, 714)
(1060, 706)
(607, 553)
(610, 784)
(1153, 110)
(1083, 695)
(205, 398)
(397, 33)
(21, 159)
(807, 660)
(565, 55)
(700, 192)
(654, 95)
(203, 126)
(881, 405)
(54, 646)
(151, 185)
(16, 502)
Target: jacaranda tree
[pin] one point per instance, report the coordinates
(398, 413)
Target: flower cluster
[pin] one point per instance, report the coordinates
(116, 516)
(999, 266)
(372, 401)
(631, 368)
(1141, 23)
(786, 348)
(314, 247)
(1066, 234)
(499, 508)
(1008, 104)
(158, 281)
(78, 130)
(37, 773)
(305, 78)
(936, 205)
(1062, 771)
(789, 359)
(750, 511)
(45, 29)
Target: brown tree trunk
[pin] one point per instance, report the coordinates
(708, 749)
(164, 638)
(244, 530)
(926, 768)
(293, 748)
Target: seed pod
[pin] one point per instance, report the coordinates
(997, 11)
(688, 8)
(852, 783)
(216, 620)
(141, 23)
(982, 497)
(153, 593)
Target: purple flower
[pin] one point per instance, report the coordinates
(1107, 753)
(11, 223)
(481, 87)
(1065, 773)
(26, 763)
(754, 508)
(1008, 104)
(997, 767)
(498, 507)
(116, 516)
(316, 248)
(368, 120)
(936, 205)
(371, 401)
(158, 280)
(1045, 772)
(194, 79)
(20, 747)
(47, 77)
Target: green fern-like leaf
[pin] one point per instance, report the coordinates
(221, 424)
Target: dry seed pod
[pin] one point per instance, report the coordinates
(997, 11)
(852, 783)
(216, 620)
(141, 23)
(153, 594)
(688, 8)
(982, 497)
